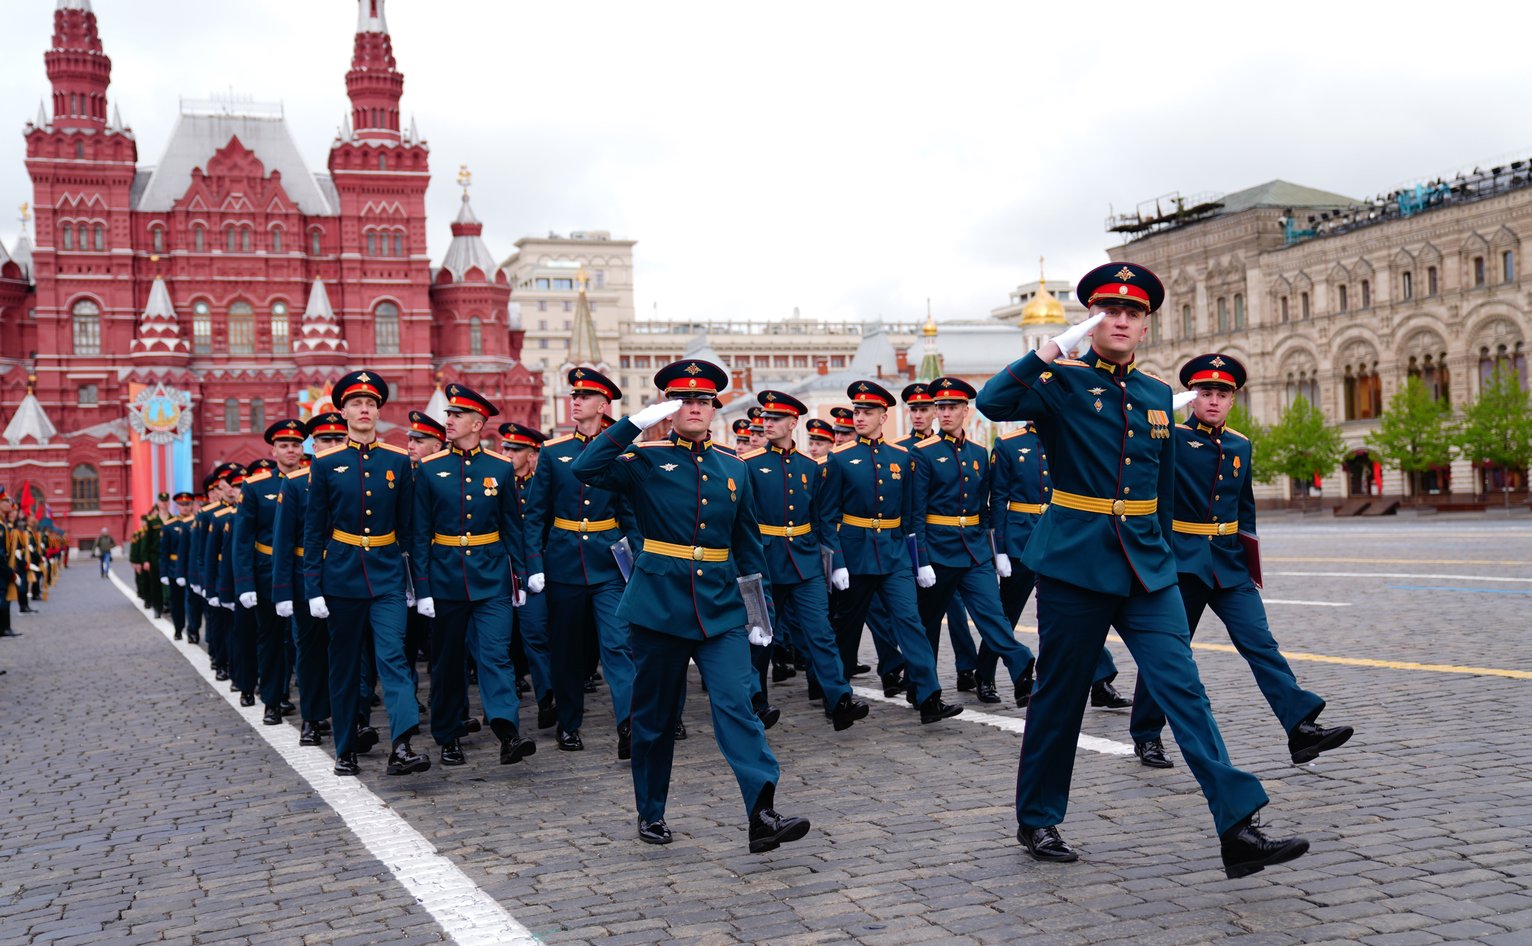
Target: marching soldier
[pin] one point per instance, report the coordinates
(220, 597)
(196, 539)
(173, 545)
(841, 426)
(426, 437)
(741, 428)
(8, 575)
(465, 552)
(693, 504)
(522, 444)
(1102, 558)
(950, 513)
(354, 572)
(757, 428)
(1215, 505)
(864, 508)
(570, 528)
(244, 666)
(821, 437)
(153, 523)
(783, 483)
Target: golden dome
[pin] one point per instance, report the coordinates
(1043, 308)
(929, 329)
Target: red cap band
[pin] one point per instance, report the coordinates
(1213, 376)
(1119, 292)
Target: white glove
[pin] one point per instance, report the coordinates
(164, 581)
(198, 590)
(227, 604)
(926, 577)
(840, 579)
(409, 598)
(1182, 399)
(247, 600)
(426, 607)
(1003, 565)
(1070, 337)
(521, 598)
(181, 582)
(318, 608)
(535, 583)
(213, 601)
(759, 637)
(284, 609)
(654, 413)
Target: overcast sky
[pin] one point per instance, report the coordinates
(850, 159)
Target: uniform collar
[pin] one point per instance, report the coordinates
(581, 437)
(1107, 365)
(356, 445)
(693, 446)
(870, 441)
(960, 439)
(1212, 431)
(478, 448)
(791, 449)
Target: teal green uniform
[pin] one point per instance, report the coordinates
(1108, 436)
(311, 635)
(254, 533)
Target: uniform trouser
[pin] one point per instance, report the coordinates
(417, 641)
(532, 629)
(805, 607)
(194, 607)
(896, 591)
(1244, 616)
(218, 631)
(271, 642)
(1072, 626)
(354, 622)
(311, 641)
(884, 642)
(485, 628)
(981, 594)
(177, 595)
(1014, 592)
(572, 612)
(965, 657)
(723, 661)
(244, 661)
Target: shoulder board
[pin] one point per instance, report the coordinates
(439, 453)
(224, 511)
(843, 446)
(1231, 430)
(895, 446)
(928, 441)
(726, 452)
(752, 454)
(257, 477)
(820, 460)
(1075, 362)
(1014, 433)
(651, 443)
(297, 473)
(1151, 374)
(334, 449)
(1184, 426)
(389, 446)
(557, 440)
(210, 507)
(498, 456)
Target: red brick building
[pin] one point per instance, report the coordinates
(228, 271)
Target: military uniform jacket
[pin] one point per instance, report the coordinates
(784, 487)
(255, 531)
(952, 480)
(692, 495)
(359, 500)
(1018, 474)
(572, 557)
(1107, 432)
(196, 558)
(173, 546)
(1213, 486)
(867, 479)
(150, 555)
(286, 532)
(220, 555)
(465, 496)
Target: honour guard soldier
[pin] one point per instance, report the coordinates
(522, 444)
(254, 538)
(310, 634)
(1215, 508)
(219, 556)
(154, 522)
(354, 571)
(466, 557)
(864, 508)
(693, 505)
(1102, 557)
(841, 425)
(426, 436)
(741, 430)
(783, 483)
(950, 513)
(757, 428)
(196, 538)
(570, 529)
(173, 547)
(821, 438)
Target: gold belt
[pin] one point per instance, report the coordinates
(363, 541)
(585, 525)
(1034, 508)
(263, 549)
(786, 531)
(298, 551)
(876, 522)
(962, 522)
(464, 541)
(1204, 528)
(1107, 507)
(174, 557)
(694, 552)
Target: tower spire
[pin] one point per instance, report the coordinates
(77, 68)
(374, 83)
(931, 360)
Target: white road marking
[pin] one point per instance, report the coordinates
(466, 913)
(1010, 724)
(1317, 604)
(1394, 575)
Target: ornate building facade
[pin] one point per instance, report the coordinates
(229, 273)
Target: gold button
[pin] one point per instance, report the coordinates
(699, 571)
(584, 538)
(880, 499)
(369, 512)
(470, 515)
(704, 501)
(699, 459)
(1128, 461)
(1130, 433)
(1126, 490)
(1045, 472)
(365, 475)
(366, 530)
(1220, 476)
(468, 551)
(587, 502)
(369, 492)
(1118, 507)
(1130, 407)
(704, 477)
(468, 479)
(790, 508)
(1215, 498)
(1122, 518)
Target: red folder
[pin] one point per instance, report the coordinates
(1252, 547)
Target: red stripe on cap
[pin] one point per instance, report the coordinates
(692, 384)
(288, 434)
(948, 394)
(519, 438)
(360, 388)
(870, 397)
(780, 408)
(816, 433)
(920, 397)
(425, 429)
(468, 404)
(1213, 376)
(1119, 291)
(329, 429)
(582, 384)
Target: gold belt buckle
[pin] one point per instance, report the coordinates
(1044, 508)
(877, 522)
(962, 522)
(1117, 507)
(696, 553)
(366, 541)
(462, 540)
(584, 525)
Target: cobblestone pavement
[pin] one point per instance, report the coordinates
(139, 807)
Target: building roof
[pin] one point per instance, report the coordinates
(971, 349)
(467, 250)
(204, 128)
(22, 254)
(30, 420)
(1282, 195)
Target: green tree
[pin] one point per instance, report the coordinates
(1496, 428)
(1301, 445)
(1414, 433)
(1242, 420)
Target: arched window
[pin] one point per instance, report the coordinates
(372, 244)
(157, 239)
(68, 237)
(276, 240)
(202, 328)
(86, 316)
(1285, 315)
(199, 239)
(1188, 328)
(1364, 392)
(85, 488)
(79, 149)
(1303, 306)
(230, 240)
(100, 238)
(241, 329)
(257, 415)
(244, 239)
(315, 242)
(1503, 358)
(382, 162)
(1239, 311)
(385, 328)
(280, 343)
(231, 415)
(475, 336)
(1366, 293)
(1223, 314)
(1341, 298)
(398, 244)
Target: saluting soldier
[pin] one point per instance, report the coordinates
(570, 528)
(693, 505)
(841, 425)
(174, 538)
(950, 513)
(522, 444)
(1103, 558)
(864, 509)
(354, 572)
(254, 556)
(311, 635)
(1215, 506)
(821, 437)
(466, 556)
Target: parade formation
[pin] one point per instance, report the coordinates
(629, 549)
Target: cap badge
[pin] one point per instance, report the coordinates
(579, 372)
(862, 386)
(693, 370)
(691, 383)
(1217, 361)
(1124, 273)
(1122, 290)
(363, 377)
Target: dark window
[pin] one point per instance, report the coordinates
(475, 336)
(1478, 271)
(68, 237)
(1507, 266)
(1187, 328)
(87, 327)
(199, 239)
(1341, 298)
(1223, 314)
(1406, 285)
(157, 239)
(1431, 280)
(85, 488)
(1284, 309)
(1303, 305)
(1366, 293)
(258, 415)
(231, 415)
(87, 395)
(241, 329)
(276, 241)
(386, 328)
(1239, 311)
